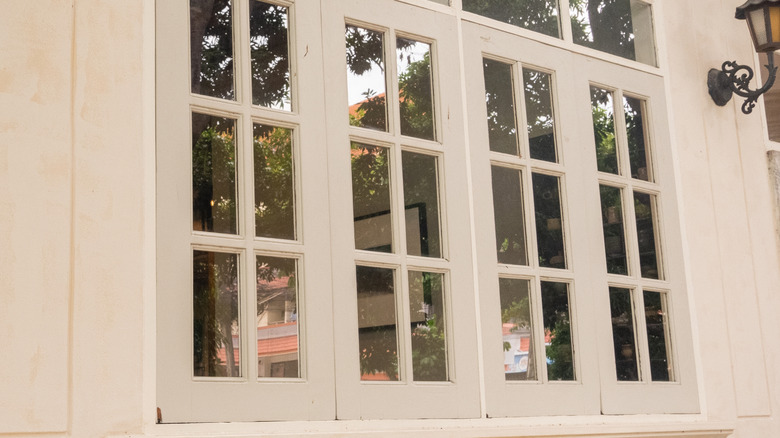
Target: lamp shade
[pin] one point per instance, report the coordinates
(763, 17)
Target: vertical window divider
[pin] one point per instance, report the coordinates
(640, 328)
(537, 318)
(250, 315)
(404, 319)
(521, 117)
(632, 239)
(529, 216)
(621, 135)
(397, 200)
(242, 58)
(391, 80)
(660, 244)
(565, 24)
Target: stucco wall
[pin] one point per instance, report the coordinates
(77, 256)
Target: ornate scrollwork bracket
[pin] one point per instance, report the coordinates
(734, 78)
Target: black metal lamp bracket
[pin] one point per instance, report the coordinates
(734, 78)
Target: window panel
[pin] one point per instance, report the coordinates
(624, 334)
(509, 216)
(366, 78)
(268, 41)
(549, 221)
(211, 48)
(214, 191)
(378, 336)
(415, 89)
(603, 110)
(429, 327)
(539, 115)
(638, 151)
(644, 208)
(278, 340)
(620, 27)
(658, 336)
(517, 329)
(274, 182)
(215, 325)
(537, 15)
(614, 230)
(557, 331)
(371, 198)
(421, 200)
(500, 100)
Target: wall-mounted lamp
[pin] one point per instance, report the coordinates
(763, 18)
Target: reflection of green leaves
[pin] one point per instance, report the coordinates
(270, 58)
(604, 130)
(416, 99)
(604, 25)
(538, 15)
(214, 173)
(274, 182)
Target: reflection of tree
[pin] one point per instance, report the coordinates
(215, 313)
(270, 59)
(549, 221)
(378, 336)
(604, 130)
(557, 325)
(539, 111)
(537, 15)
(274, 183)
(416, 97)
(211, 48)
(371, 185)
(429, 347)
(213, 174)
(500, 101)
(636, 137)
(604, 25)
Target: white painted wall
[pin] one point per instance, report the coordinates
(77, 221)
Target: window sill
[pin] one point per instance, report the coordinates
(641, 426)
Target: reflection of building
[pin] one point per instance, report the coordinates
(516, 360)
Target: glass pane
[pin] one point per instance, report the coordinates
(421, 201)
(557, 331)
(637, 144)
(214, 190)
(603, 110)
(377, 333)
(211, 48)
(371, 198)
(658, 343)
(509, 216)
(623, 337)
(614, 233)
(274, 183)
(644, 207)
(539, 115)
(268, 41)
(415, 88)
(537, 15)
(429, 326)
(517, 329)
(500, 100)
(620, 27)
(366, 78)
(549, 221)
(277, 318)
(215, 328)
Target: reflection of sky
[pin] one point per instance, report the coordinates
(413, 53)
(357, 85)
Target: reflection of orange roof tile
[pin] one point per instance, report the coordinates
(274, 346)
(507, 327)
(525, 343)
(353, 109)
(383, 377)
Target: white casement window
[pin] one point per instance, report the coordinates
(411, 209)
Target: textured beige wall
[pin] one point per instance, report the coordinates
(71, 217)
(36, 158)
(728, 219)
